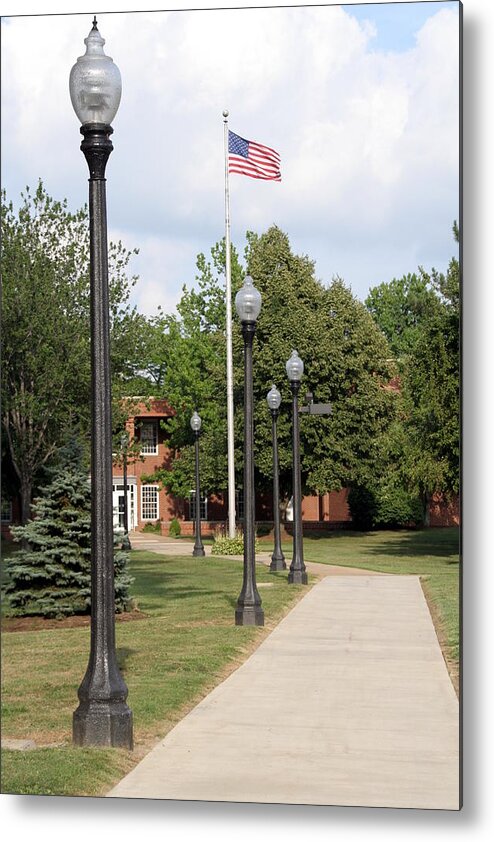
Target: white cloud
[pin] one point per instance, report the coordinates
(369, 140)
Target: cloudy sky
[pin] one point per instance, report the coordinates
(361, 102)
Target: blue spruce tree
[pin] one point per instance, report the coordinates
(50, 575)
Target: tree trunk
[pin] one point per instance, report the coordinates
(26, 491)
(427, 511)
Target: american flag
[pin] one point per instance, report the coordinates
(253, 159)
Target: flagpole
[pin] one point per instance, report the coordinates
(229, 353)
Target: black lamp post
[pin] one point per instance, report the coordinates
(195, 423)
(277, 559)
(124, 441)
(297, 574)
(102, 718)
(249, 611)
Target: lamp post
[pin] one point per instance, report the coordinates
(102, 717)
(277, 559)
(249, 611)
(297, 574)
(195, 423)
(124, 441)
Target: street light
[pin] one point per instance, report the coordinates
(102, 718)
(249, 611)
(297, 574)
(195, 423)
(124, 441)
(277, 559)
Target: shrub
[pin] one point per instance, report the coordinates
(395, 506)
(174, 529)
(155, 528)
(263, 529)
(384, 507)
(231, 546)
(362, 505)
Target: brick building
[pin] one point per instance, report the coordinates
(148, 503)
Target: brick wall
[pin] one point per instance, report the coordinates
(443, 511)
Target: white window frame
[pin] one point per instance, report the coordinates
(239, 503)
(6, 511)
(149, 446)
(131, 501)
(144, 502)
(203, 505)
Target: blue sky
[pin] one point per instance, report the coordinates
(396, 23)
(361, 102)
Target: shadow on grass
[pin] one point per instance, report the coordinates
(123, 653)
(318, 534)
(441, 543)
(232, 601)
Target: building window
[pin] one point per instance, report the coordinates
(149, 438)
(149, 502)
(6, 511)
(203, 506)
(239, 504)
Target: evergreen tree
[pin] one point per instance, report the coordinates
(420, 315)
(346, 362)
(51, 575)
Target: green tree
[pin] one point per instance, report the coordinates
(345, 357)
(188, 366)
(346, 364)
(421, 317)
(431, 386)
(51, 576)
(399, 308)
(46, 333)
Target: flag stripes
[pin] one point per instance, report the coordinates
(252, 159)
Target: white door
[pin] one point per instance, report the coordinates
(118, 505)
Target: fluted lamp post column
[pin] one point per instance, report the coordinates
(195, 423)
(102, 718)
(249, 611)
(124, 441)
(297, 574)
(277, 559)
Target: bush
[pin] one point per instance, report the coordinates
(397, 507)
(362, 505)
(263, 529)
(231, 546)
(386, 506)
(174, 529)
(155, 528)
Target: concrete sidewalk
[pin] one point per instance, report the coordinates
(347, 702)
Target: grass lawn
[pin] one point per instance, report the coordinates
(184, 646)
(432, 554)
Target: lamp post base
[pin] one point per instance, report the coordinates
(277, 563)
(199, 551)
(251, 615)
(126, 545)
(297, 577)
(103, 724)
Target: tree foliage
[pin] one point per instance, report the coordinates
(344, 353)
(432, 392)
(400, 308)
(51, 576)
(421, 317)
(46, 332)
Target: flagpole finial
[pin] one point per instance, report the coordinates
(225, 113)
